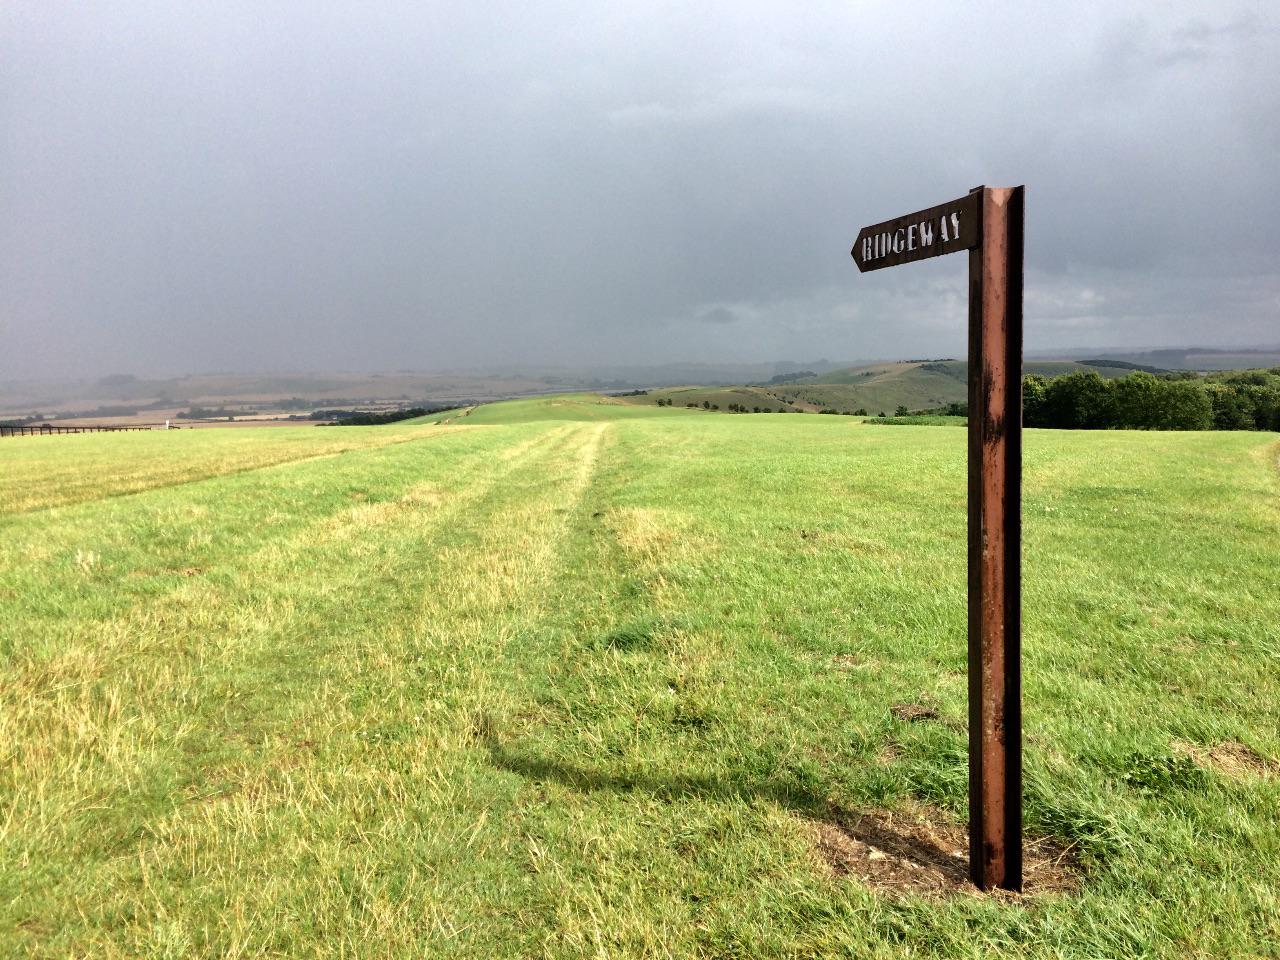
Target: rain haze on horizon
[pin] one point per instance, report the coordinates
(286, 186)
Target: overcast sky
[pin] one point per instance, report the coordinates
(374, 185)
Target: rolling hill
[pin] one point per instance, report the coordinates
(916, 385)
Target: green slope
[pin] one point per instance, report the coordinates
(565, 406)
(915, 385)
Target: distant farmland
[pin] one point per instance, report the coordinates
(575, 677)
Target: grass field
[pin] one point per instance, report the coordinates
(920, 420)
(572, 678)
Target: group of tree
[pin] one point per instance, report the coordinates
(741, 408)
(1174, 400)
(1232, 400)
(208, 413)
(360, 418)
(792, 377)
(732, 407)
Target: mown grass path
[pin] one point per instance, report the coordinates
(580, 686)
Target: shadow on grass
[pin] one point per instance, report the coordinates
(919, 851)
(871, 830)
(588, 780)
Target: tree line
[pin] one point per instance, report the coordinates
(364, 418)
(1141, 400)
(1230, 400)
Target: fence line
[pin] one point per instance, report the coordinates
(43, 429)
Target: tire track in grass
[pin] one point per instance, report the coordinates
(604, 721)
(46, 490)
(95, 562)
(409, 703)
(503, 595)
(192, 609)
(215, 721)
(92, 650)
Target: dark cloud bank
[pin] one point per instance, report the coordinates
(252, 186)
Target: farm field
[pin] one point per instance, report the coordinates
(267, 394)
(574, 677)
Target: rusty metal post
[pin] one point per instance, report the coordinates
(995, 541)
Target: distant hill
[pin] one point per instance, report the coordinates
(307, 391)
(1198, 358)
(1123, 365)
(775, 385)
(121, 394)
(915, 384)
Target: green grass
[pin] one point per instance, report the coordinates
(919, 420)
(575, 407)
(56, 470)
(572, 678)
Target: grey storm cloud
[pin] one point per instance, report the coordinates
(249, 186)
(718, 315)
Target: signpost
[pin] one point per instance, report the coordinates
(988, 222)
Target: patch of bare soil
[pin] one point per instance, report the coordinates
(923, 713)
(889, 753)
(913, 712)
(1230, 758)
(185, 571)
(922, 852)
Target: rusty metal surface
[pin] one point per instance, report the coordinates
(947, 228)
(995, 534)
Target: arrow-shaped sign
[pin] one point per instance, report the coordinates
(945, 228)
